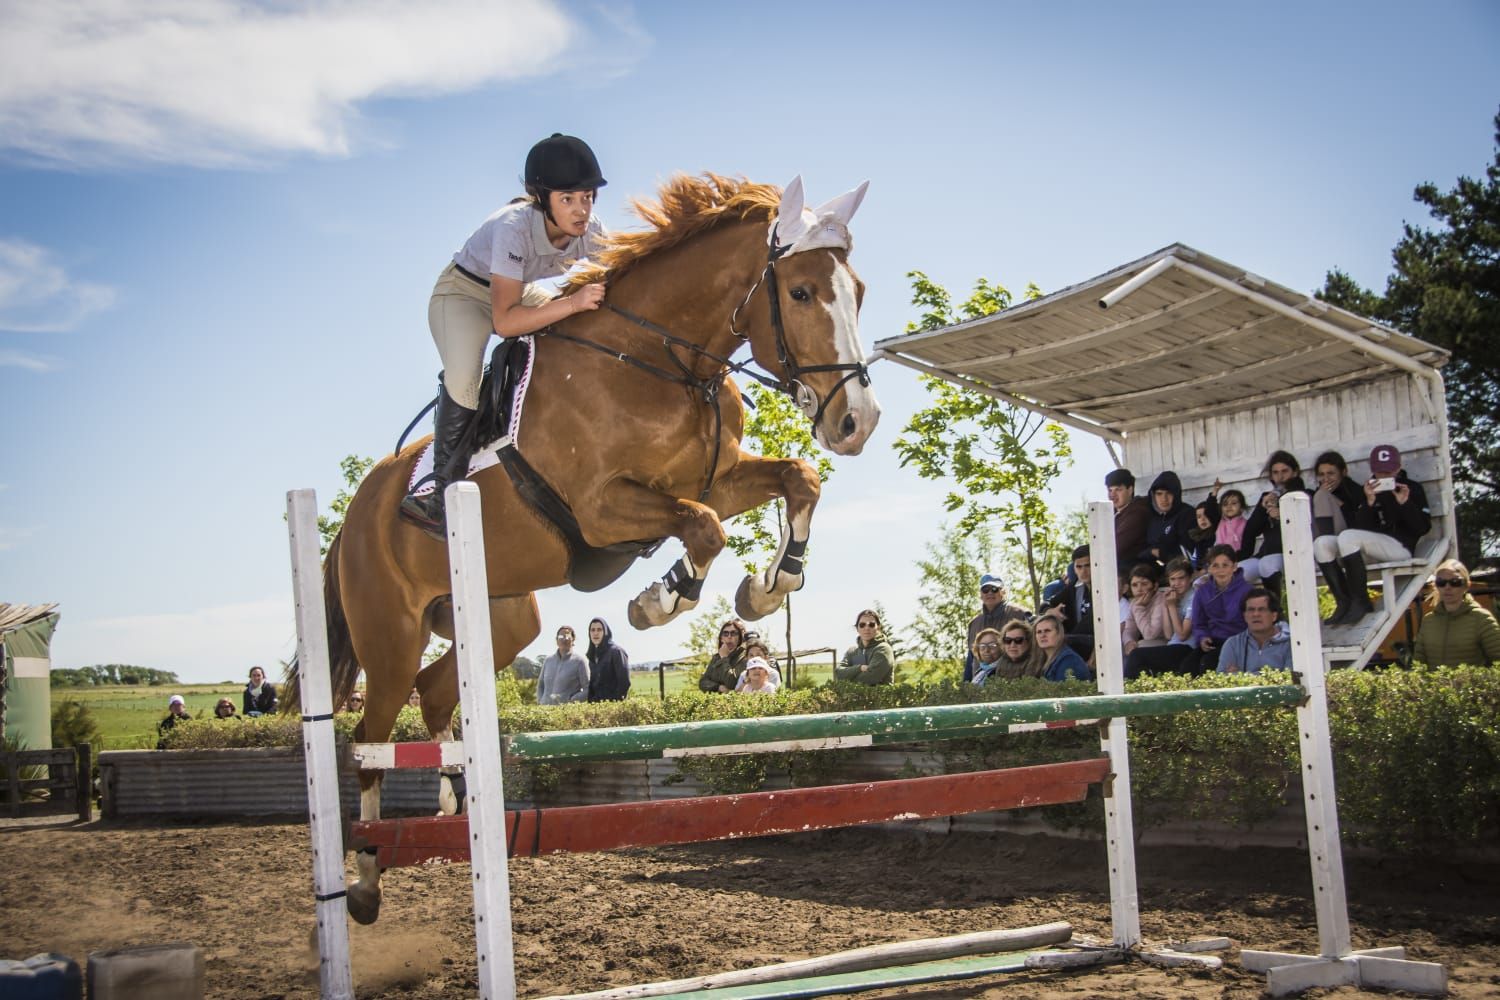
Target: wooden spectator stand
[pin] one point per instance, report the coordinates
(1180, 361)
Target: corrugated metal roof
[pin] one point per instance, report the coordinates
(13, 616)
(1170, 337)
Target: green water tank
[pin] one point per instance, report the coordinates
(28, 681)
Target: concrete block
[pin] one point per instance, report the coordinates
(158, 972)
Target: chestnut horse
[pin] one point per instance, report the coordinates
(632, 421)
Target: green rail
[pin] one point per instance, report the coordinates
(882, 726)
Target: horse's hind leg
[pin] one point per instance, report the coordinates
(390, 654)
(514, 623)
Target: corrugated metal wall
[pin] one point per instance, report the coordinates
(273, 782)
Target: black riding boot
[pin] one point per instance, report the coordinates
(449, 457)
(1333, 575)
(1274, 584)
(1359, 593)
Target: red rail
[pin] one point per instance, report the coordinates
(579, 829)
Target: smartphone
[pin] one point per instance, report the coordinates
(1384, 484)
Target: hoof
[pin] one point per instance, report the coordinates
(745, 597)
(364, 903)
(452, 794)
(636, 616)
(645, 611)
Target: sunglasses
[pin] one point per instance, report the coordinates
(1448, 582)
(867, 625)
(728, 631)
(989, 590)
(1014, 640)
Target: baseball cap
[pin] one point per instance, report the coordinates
(991, 580)
(1385, 460)
(176, 699)
(756, 661)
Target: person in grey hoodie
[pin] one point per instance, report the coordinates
(1172, 521)
(565, 674)
(609, 666)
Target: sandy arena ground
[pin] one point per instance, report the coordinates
(242, 894)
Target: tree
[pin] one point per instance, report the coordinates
(353, 468)
(1001, 456)
(1445, 289)
(950, 590)
(778, 430)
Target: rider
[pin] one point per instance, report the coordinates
(488, 288)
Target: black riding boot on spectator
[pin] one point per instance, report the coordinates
(1357, 580)
(1333, 575)
(448, 454)
(1274, 583)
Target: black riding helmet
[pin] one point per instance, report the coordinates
(561, 163)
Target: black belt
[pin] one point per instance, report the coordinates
(470, 274)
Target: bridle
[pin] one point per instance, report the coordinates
(790, 382)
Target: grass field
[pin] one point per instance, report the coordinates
(127, 714)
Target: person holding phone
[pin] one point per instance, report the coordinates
(1394, 517)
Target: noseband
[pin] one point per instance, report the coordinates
(791, 382)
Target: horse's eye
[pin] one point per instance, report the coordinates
(800, 294)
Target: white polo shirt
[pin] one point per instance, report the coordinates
(513, 244)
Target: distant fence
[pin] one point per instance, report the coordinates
(46, 782)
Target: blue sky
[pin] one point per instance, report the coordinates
(220, 222)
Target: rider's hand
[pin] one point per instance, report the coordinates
(587, 297)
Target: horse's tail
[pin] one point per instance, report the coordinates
(343, 667)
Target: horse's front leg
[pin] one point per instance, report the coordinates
(752, 482)
(630, 510)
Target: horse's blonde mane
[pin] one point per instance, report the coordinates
(685, 206)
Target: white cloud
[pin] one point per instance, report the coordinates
(212, 82)
(31, 362)
(38, 296)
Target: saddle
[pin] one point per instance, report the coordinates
(502, 394)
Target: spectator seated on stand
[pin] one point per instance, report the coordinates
(1216, 607)
(1202, 538)
(1265, 641)
(1171, 521)
(1456, 630)
(755, 647)
(994, 611)
(1264, 561)
(1391, 518)
(1132, 514)
(224, 709)
(1060, 662)
(1076, 605)
(1149, 623)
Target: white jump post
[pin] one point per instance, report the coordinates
(1337, 964)
(481, 742)
(334, 973)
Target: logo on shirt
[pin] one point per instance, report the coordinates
(515, 257)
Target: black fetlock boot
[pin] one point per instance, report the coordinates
(449, 453)
(1357, 581)
(1333, 575)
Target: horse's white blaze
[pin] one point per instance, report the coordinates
(844, 312)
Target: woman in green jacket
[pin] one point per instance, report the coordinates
(1456, 629)
(724, 668)
(870, 660)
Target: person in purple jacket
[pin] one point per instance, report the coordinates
(1217, 607)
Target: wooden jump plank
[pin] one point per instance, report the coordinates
(579, 829)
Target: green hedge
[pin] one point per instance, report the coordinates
(1416, 752)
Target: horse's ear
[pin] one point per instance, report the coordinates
(791, 202)
(845, 205)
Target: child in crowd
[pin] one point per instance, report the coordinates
(1201, 538)
(1232, 519)
(758, 677)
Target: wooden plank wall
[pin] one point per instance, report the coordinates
(1350, 420)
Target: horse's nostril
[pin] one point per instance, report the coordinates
(848, 425)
